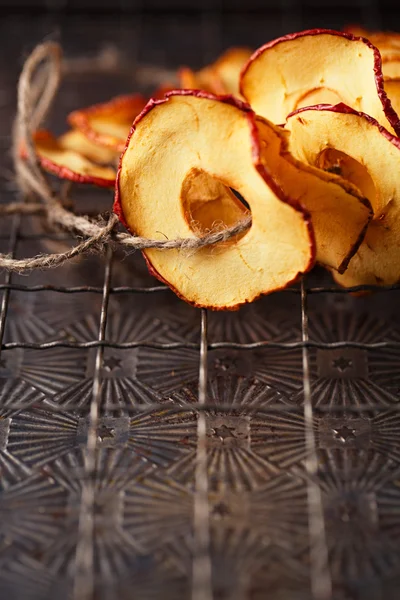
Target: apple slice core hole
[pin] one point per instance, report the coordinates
(210, 205)
(340, 163)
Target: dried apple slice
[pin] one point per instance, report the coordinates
(69, 164)
(229, 66)
(108, 124)
(210, 145)
(366, 154)
(313, 67)
(339, 212)
(388, 44)
(221, 77)
(77, 142)
(207, 81)
(385, 38)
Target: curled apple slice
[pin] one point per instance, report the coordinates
(206, 80)
(313, 67)
(108, 124)
(229, 66)
(210, 146)
(339, 212)
(69, 164)
(77, 142)
(388, 44)
(221, 77)
(354, 144)
(384, 38)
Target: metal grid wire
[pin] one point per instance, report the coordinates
(202, 588)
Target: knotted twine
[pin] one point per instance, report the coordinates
(37, 90)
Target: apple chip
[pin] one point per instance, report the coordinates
(210, 147)
(339, 212)
(388, 44)
(314, 67)
(206, 80)
(369, 157)
(69, 164)
(229, 66)
(108, 124)
(385, 38)
(221, 77)
(77, 142)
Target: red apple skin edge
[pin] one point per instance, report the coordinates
(228, 99)
(66, 173)
(79, 118)
(344, 109)
(389, 111)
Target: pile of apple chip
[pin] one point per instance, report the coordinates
(303, 133)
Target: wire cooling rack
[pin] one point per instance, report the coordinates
(152, 450)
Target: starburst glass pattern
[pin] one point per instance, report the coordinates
(260, 321)
(233, 468)
(61, 311)
(385, 434)
(280, 369)
(280, 438)
(154, 584)
(15, 394)
(348, 326)
(33, 513)
(270, 318)
(27, 578)
(16, 387)
(352, 376)
(167, 372)
(122, 326)
(37, 437)
(119, 392)
(387, 501)
(150, 579)
(114, 469)
(119, 383)
(241, 393)
(52, 371)
(359, 547)
(384, 371)
(119, 558)
(347, 444)
(23, 323)
(12, 470)
(237, 554)
(284, 574)
(232, 461)
(157, 510)
(279, 512)
(162, 437)
(364, 438)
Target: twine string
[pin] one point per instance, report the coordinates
(37, 90)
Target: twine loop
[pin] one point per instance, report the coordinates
(37, 90)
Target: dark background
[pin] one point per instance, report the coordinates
(176, 31)
(170, 24)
